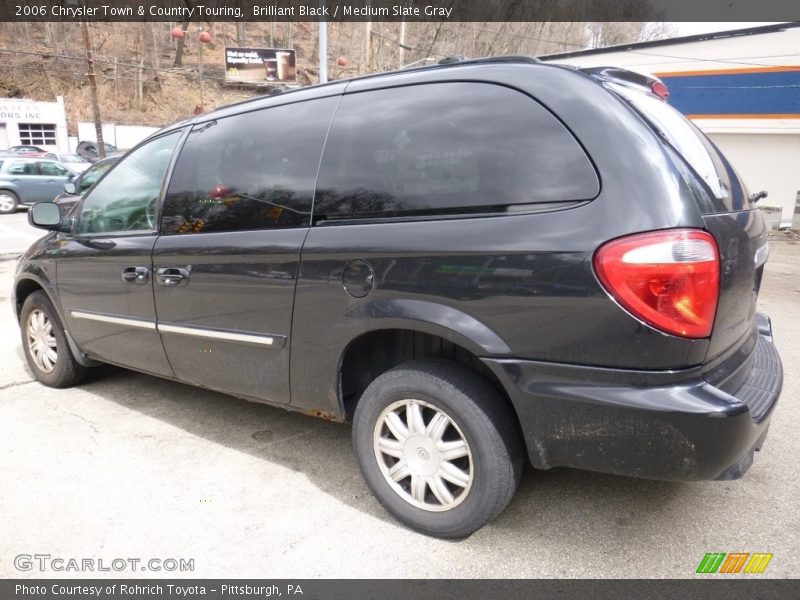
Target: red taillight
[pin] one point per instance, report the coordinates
(660, 89)
(669, 279)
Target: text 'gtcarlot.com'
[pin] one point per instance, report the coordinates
(47, 562)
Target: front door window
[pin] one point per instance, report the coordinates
(125, 200)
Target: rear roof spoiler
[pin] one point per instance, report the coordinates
(645, 81)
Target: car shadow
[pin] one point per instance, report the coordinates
(557, 502)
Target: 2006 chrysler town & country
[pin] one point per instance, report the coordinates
(476, 263)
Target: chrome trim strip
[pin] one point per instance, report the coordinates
(248, 338)
(264, 340)
(103, 318)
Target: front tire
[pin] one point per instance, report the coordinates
(45, 344)
(438, 446)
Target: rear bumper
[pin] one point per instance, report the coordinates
(672, 425)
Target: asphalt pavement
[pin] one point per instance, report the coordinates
(16, 234)
(132, 466)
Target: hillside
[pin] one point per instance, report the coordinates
(140, 83)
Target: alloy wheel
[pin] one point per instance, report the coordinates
(42, 343)
(423, 455)
(7, 203)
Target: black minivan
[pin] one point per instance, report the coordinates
(475, 263)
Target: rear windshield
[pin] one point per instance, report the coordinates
(686, 139)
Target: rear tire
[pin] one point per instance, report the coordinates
(8, 202)
(45, 344)
(438, 446)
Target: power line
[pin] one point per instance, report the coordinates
(107, 62)
(726, 61)
(176, 71)
(529, 37)
(502, 33)
(733, 61)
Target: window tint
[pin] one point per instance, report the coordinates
(22, 168)
(92, 174)
(250, 171)
(447, 148)
(50, 168)
(126, 199)
(684, 137)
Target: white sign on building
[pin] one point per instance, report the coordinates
(31, 123)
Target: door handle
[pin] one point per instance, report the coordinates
(135, 274)
(173, 276)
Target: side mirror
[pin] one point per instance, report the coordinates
(45, 215)
(70, 188)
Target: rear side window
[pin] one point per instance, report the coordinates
(49, 168)
(23, 168)
(723, 187)
(447, 148)
(249, 171)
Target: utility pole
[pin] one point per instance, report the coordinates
(402, 43)
(323, 49)
(98, 123)
(202, 81)
(368, 45)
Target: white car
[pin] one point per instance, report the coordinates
(73, 162)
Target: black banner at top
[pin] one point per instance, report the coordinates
(399, 10)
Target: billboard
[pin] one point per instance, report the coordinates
(260, 66)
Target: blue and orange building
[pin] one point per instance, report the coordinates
(742, 88)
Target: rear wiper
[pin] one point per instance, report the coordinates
(758, 196)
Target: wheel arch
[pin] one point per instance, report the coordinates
(374, 352)
(430, 317)
(320, 353)
(23, 288)
(26, 285)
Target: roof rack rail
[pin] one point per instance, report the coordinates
(278, 90)
(522, 58)
(268, 89)
(512, 58)
(450, 60)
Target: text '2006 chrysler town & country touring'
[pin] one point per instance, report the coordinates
(476, 264)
